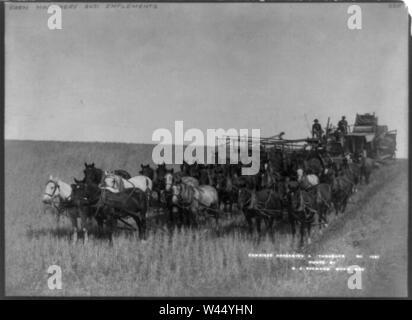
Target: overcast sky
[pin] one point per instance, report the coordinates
(118, 74)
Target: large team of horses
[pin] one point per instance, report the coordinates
(301, 188)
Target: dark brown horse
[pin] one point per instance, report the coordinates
(194, 170)
(184, 168)
(159, 179)
(303, 210)
(257, 206)
(366, 167)
(227, 191)
(85, 197)
(352, 171)
(207, 175)
(341, 190)
(130, 203)
(323, 202)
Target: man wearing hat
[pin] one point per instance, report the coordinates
(343, 125)
(316, 129)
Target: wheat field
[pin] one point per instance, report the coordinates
(208, 261)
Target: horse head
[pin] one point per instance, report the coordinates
(56, 190)
(194, 170)
(161, 170)
(92, 175)
(168, 179)
(89, 166)
(147, 171)
(184, 167)
(52, 190)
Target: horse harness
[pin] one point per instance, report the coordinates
(259, 208)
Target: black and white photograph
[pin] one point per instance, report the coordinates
(212, 149)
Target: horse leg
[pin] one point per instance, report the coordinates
(111, 222)
(320, 218)
(249, 221)
(222, 205)
(100, 218)
(73, 219)
(216, 214)
(184, 217)
(189, 219)
(258, 220)
(325, 215)
(142, 225)
(58, 220)
(344, 204)
(302, 232)
(269, 223)
(192, 221)
(336, 205)
(139, 225)
(99, 221)
(271, 228)
(171, 216)
(142, 230)
(292, 223)
(83, 224)
(309, 227)
(179, 216)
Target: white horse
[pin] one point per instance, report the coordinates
(58, 194)
(198, 198)
(170, 180)
(116, 184)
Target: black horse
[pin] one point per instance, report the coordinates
(265, 204)
(302, 210)
(86, 193)
(342, 188)
(85, 197)
(147, 171)
(226, 190)
(130, 203)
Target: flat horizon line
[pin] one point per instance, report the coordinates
(95, 141)
(114, 142)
